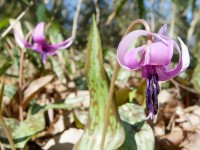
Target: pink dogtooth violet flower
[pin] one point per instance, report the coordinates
(154, 61)
(40, 44)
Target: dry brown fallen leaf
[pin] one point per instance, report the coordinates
(64, 141)
(194, 143)
(34, 87)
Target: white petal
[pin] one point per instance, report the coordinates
(18, 28)
(185, 56)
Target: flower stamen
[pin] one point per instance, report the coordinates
(152, 91)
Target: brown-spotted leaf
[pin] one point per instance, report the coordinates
(98, 84)
(22, 132)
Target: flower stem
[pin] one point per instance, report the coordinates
(9, 136)
(111, 91)
(21, 85)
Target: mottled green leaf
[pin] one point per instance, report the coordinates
(139, 135)
(98, 85)
(22, 132)
(68, 103)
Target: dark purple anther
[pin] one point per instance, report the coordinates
(152, 91)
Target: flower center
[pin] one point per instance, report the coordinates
(44, 49)
(152, 91)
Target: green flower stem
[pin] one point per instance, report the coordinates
(109, 104)
(111, 91)
(9, 136)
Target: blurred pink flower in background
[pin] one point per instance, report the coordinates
(40, 44)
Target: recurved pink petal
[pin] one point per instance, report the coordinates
(184, 61)
(161, 53)
(62, 45)
(127, 44)
(133, 58)
(38, 34)
(52, 49)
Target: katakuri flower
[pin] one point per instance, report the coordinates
(154, 60)
(40, 44)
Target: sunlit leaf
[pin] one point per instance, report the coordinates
(141, 94)
(80, 119)
(122, 96)
(4, 23)
(132, 95)
(22, 132)
(98, 85)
